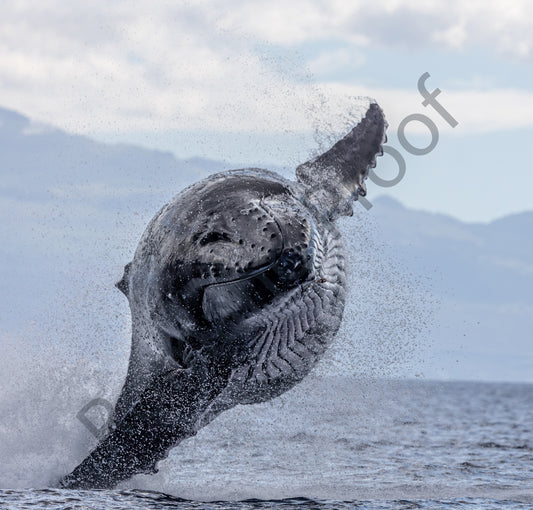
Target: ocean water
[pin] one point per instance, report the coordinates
(330, 443)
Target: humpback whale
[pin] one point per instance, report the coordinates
(236, 289)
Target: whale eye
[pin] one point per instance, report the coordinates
(291, 268)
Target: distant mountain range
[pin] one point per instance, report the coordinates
(72, 210)
(483, 276)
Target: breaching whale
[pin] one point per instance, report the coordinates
(236, 289)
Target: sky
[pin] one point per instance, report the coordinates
(270, 82)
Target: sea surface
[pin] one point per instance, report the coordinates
(332, 443)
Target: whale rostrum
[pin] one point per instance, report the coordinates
(236, 290)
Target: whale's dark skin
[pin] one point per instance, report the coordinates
(236, 290)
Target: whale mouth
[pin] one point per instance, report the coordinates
(231, 301)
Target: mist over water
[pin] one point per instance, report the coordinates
(328, 439)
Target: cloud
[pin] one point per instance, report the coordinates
(505, 27)
(156, 69)
(476, 110)
(95, 68)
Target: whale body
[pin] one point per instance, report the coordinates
(236, 290)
